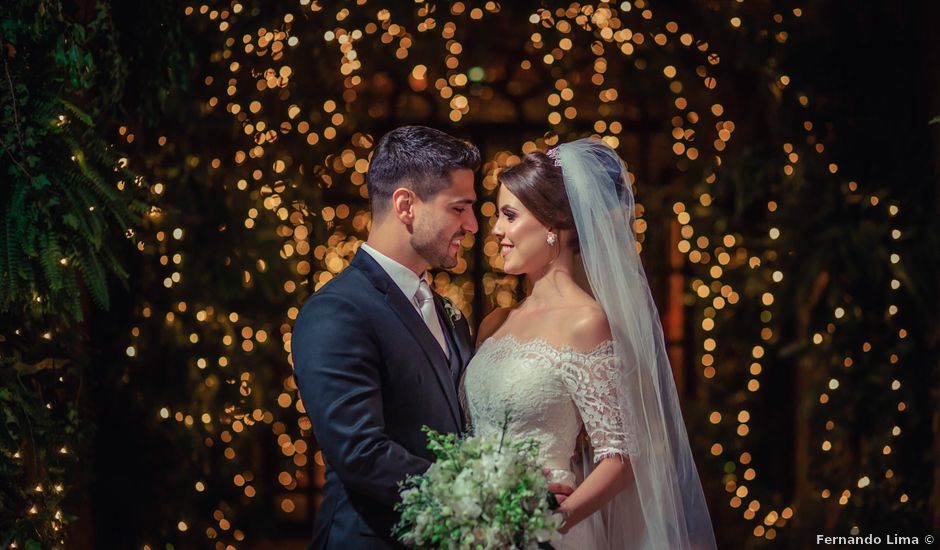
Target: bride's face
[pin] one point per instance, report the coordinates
(522, 237)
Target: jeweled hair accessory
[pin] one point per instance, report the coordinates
(553, 153)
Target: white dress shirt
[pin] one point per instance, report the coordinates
(407, 281)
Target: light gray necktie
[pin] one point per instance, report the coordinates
(425, 300)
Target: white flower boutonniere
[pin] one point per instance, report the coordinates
(453, 312)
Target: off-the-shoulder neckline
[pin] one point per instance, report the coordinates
(543, 343)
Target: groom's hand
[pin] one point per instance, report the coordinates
(561, 491)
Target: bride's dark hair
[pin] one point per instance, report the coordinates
(540, 186)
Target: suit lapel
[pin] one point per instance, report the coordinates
(455, 334)
(454, 357)
(464, 340)
(406, 311)
(458, 331)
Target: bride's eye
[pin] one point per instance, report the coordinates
(509, 215)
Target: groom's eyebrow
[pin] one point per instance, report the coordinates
(464, 201)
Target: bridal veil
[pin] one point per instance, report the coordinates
(664, 507)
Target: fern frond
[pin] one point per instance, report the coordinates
(72, 303)
(138, 207)
(112, 263)
(78, 113)
(93, 278)
(89, 226)
(92, 177)
(50, 257)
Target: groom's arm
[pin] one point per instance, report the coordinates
(336, 363)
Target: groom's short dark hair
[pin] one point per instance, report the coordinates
(418, 158)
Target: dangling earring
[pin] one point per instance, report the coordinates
(551, 239)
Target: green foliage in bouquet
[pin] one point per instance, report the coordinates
(480, 493)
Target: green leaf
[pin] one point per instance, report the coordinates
(76, 112)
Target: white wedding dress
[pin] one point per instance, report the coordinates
(622, 392)
(550, 394)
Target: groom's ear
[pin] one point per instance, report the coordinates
(403, 204)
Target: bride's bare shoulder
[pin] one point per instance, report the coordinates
(491, 323)
(588, 326)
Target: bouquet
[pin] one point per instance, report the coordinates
(480, 493)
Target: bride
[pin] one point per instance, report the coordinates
(580, 365)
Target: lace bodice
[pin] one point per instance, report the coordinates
(549, 394)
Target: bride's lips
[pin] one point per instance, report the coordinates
(505, 249)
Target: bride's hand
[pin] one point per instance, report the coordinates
(560, 490)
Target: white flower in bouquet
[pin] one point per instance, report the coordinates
(480, 493)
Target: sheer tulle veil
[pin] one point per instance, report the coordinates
(664, 508)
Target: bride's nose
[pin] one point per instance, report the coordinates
(497, 230)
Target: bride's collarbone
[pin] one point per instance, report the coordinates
(553, 327)
(565, 325)
(556, 317)
(566, 308)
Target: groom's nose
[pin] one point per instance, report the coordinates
(470, 224)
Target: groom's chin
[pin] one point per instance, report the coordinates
(444, 261)
(451, 258)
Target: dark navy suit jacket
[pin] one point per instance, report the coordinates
(370, 375)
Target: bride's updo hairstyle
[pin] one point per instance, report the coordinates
(540, 186)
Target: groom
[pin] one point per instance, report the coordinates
(375, 353)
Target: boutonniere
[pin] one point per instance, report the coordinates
(453, 312)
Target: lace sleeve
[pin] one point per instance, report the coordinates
(596, 384)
